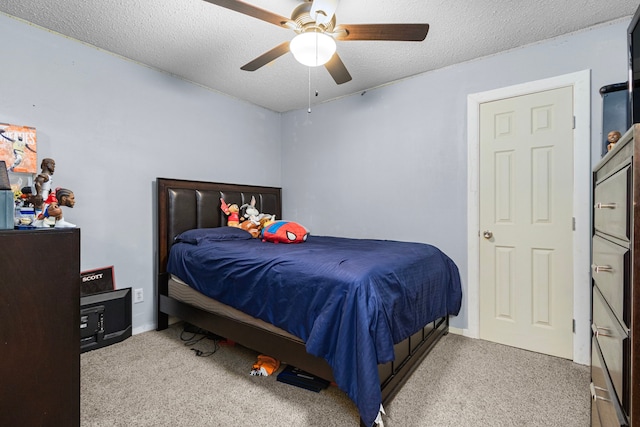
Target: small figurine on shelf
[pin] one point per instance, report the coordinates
(50, 216)
(27, 198)
(43, 181)
(46, 218)
(613, 137)
(24, 213)
(232, 211)
(65, 198)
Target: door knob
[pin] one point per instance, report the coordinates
(487, 234)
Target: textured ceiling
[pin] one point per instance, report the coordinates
(207, 44)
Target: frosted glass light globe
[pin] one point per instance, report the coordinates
(312, 48)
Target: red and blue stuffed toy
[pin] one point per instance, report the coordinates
(284, 232)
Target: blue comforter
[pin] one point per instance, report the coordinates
(350, 300)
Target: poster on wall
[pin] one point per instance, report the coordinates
(18, 148)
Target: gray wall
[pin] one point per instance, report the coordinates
(113, 126)
(392, 163)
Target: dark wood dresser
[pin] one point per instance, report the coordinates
(615, 345)
(40, 327)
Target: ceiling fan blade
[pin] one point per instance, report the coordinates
(391, 32)
(323, 10)
(267, 57)
(250, 10)
(338, 71)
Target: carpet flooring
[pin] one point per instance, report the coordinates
(154, 379)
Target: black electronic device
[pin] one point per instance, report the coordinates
(105, 318)
(633, 44)
(299, 378)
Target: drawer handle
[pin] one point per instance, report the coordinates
(595, 396)
(597, 331)
(605, 206)
(601, 268)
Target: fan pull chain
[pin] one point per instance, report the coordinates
(309, 108)
(309, 91)
(315, 92)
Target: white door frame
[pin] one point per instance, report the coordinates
(581, 82)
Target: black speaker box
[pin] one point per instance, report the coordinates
(105, 318)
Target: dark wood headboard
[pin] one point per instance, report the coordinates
(184, 205)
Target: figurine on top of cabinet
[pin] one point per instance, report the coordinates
(43, 181)
(51, 214)
(65, 198)
(613, 137)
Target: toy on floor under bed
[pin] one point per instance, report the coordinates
(265, 366)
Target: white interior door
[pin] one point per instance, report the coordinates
(526, 221)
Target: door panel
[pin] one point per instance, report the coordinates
(526, 193)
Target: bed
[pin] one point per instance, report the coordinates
(386, 346)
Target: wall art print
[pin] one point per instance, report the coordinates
(18, 148)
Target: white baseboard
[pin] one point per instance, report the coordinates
(143, 328)
(456, 331)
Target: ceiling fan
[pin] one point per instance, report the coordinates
(314, 22)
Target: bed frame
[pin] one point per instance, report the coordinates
(184, 205)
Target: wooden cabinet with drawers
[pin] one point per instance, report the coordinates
(40, 327)
(615, 309)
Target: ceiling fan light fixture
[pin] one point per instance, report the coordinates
(312, 48)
